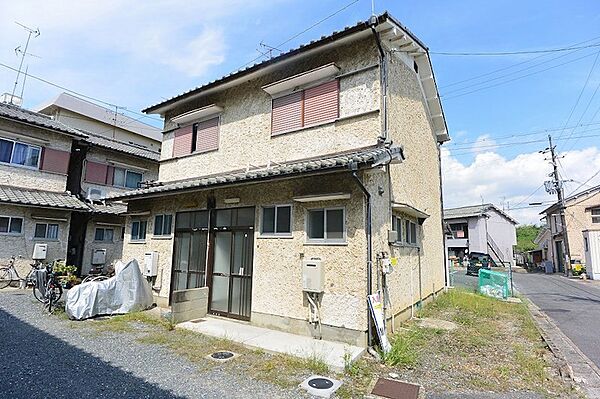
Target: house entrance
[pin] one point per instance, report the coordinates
(215, 249)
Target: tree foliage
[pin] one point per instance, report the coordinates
(525, 235)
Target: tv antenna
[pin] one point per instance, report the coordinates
(267, 50)
(35, 33)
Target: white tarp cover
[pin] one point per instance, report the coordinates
(128, 291)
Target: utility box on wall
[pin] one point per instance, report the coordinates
(313, 275)
(151, 264)
(40, 251)
(98, 256)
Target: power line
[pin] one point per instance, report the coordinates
(584, 183)
(529, 196)
(515, 65)
(502, 53)
(79, 94)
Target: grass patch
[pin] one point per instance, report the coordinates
(130, 322)
(408, 345)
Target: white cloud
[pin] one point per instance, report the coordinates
(498, 179)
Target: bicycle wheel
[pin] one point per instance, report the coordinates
(58, 291)
(5, 277)
(38, 294)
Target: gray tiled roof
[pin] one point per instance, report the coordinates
(23, 196)
(20, 114)
(110, 208)
(327, 162)
(117, 145)
(473, 211)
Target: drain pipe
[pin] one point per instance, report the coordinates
(382, 81)
(367, 195)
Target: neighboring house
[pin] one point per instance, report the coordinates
(51, 178)
(544, 252)
(481, 228)
(327, 151)
(89, 117)
(582, 212)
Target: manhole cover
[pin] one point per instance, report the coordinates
(320, 383)
(221, 355)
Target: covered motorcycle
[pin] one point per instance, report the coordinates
(128, 291)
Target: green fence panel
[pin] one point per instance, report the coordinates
(493, 284)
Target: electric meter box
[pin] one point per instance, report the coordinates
(313, 275)
(40, 251)
(99, 257)
(150, 264)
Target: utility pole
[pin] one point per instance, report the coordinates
(557, 186)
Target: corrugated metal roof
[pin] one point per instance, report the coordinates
(49, 199)
(474, 211)
(121, 146)
(335, 35)
(10, 111)
(323, 163)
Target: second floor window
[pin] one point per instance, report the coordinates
(48, 231)
(11, 225)
(100, 173)
(138, 230)
(312, 106)
(126, 178)
(13, 152)
(410, 232)
(459, 230)
(199, 137)
(596, 215)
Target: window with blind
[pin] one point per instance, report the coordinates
(312, 106)
(198, 137)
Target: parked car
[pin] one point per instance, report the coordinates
(477, 260)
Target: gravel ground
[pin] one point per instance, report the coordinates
(43, 356)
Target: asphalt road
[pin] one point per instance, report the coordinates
(573, 304)
(43, 356)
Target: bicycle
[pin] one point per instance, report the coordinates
(52, 289)
(9, 273)
(96, 274)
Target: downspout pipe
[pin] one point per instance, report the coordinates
(368, 230)
(382, 81)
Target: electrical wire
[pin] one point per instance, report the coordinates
(503, 53)
(584, 183)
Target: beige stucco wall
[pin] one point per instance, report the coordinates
(22, 244)
(96, 154)
(245, 131)
(27, 177)
(277, 278)
(415, 182)
(113, 248)
(577, 220)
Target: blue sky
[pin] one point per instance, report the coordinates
(137, 55)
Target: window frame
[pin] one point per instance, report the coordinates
(398, 221)
(302, 89)
(194, 141)
(405, 235)
(325, 240)
(9, 225)
(163, 225)
(45, 237)
(12, 154)
(276, 234)
(104, 234)
(595, 217)
(127, 171)
(137, 238)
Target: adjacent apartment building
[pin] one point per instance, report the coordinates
(582, 212)
(51, 179)
(325, 156)
(484, 229)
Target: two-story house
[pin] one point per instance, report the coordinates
(326, 155)
(484, 229)
(582, 212)
(51, 179)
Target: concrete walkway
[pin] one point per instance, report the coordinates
(332, 353)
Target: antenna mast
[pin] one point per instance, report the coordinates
(23, 53)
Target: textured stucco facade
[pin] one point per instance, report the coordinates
(21, 245)
(24, 177)
(114, 247)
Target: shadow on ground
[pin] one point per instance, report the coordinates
(30, 368)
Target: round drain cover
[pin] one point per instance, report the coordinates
(221, 355)
(320, 383)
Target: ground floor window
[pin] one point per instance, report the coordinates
(326, 225)
(104, 234)
(48, 231)
(410, 229)
(162, 225)
(138, 230)
(596, 215)
(276, 220)
(11, 225)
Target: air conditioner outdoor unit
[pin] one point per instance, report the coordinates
(94, 194)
